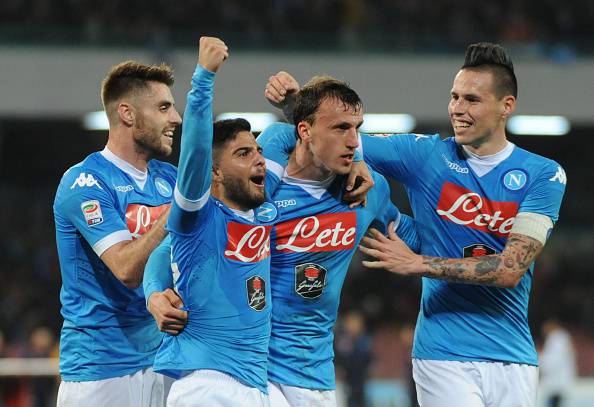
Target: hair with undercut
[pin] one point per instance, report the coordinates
(319, 89)
(486, 56)
(225, 131)
(129, 77)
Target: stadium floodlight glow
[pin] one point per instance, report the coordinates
(258, 121)
(538, 125)
(95, 121)
(388, 123)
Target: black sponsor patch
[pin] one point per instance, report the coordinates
(477, 250)
(256, 292)
(310, 280)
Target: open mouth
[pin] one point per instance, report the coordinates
(168, 133)
(258, 180)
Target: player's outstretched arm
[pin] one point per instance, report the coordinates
(504, 270)
(280, 92)
(127, 259)
(195, 162)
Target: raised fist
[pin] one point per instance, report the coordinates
(212, 53)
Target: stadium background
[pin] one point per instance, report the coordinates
(400, 55)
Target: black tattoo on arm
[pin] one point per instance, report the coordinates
(502, 270)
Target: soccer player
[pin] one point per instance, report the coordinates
(486, 208)
(110, 211)
(220, 226)
(316, 236)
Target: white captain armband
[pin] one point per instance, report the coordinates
(534, 225)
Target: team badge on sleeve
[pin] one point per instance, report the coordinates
(310, 280)
(256, 292)
(92, 212)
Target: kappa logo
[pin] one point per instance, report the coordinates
(256, 292)
(92, 212)
(467, 208)
(285, 203)
(559, 176)
(85, 180)
(124, 188)
(454, 166)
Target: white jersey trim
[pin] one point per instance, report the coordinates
(314, 188)
(116, 237)
(397, 222)
(532, 224)
(189, 205)
(482, 164)
(138, 176)
(275, 168)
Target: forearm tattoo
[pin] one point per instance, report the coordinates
(520, 251)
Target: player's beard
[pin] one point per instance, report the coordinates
(148, 142)
(238, 191)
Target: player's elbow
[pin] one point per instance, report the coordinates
(129, 277)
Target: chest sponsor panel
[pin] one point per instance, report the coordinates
(318, 233)
(247, 243)
(467, 208)
(141, 218)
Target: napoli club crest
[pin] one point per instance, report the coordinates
(256, 292)
(310, 280)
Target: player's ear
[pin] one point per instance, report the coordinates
(126, 113)
(509, 105)
(217, 175)
(304, 131)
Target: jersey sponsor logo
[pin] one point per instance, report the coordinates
(266, 212)
(285, 203)
(559, 176)
(320, 233)
(454, 166)
(163, 187)
(467, 208)
(141, 218)
(256, 292)
(124, 188)
(477, 250)
(92, 212)
(515, 180)
(247, 243)
(85, 180)
(310, 280)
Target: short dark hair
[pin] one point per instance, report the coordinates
(225, 131)
(318, 89)
(492, 57)
(131, 76)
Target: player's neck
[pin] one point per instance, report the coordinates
(123, 147)
(303, 165)
(493, 145)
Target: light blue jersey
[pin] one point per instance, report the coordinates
(462, 212)
(107, 331)
(222, 259)
(313, 243)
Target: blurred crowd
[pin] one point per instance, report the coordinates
(369, 23)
